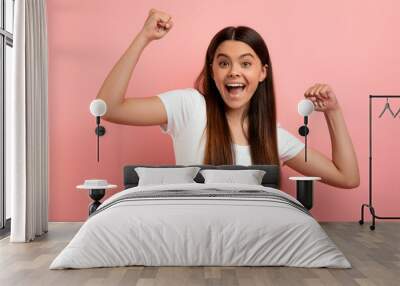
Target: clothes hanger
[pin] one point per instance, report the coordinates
(387, 106)
(398, 111)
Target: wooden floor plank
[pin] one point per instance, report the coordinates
(374, 255)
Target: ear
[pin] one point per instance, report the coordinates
(264, 73)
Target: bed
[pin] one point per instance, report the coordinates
(201, 224)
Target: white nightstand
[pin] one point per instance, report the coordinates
(304, 190)
(97, 190)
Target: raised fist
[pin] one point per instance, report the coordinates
(157, 25)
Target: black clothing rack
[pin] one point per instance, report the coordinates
(369, 205)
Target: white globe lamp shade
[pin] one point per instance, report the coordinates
(305, 107)
(98, 107)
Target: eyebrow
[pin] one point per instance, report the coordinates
(242, 56)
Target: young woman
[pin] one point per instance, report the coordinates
(230, 115)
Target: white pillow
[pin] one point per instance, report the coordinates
(249, 177)
(163, 176)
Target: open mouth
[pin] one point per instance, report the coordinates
(235, 88)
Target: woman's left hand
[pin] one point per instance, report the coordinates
(323, 97)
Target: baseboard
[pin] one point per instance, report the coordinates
(5, 231)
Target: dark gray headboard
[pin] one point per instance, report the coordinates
(270, 179)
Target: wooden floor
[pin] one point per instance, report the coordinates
(374, 255)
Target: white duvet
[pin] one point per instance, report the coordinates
(183, 231)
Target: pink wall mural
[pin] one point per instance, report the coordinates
(351, 45)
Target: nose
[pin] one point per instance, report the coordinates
(234, 71)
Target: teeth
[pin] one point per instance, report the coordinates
(235, 85)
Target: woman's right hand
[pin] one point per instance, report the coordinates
(157, 25)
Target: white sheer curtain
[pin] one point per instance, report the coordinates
(27, 124)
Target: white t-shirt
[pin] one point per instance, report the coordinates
(187, 118)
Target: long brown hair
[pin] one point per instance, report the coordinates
(261, 113)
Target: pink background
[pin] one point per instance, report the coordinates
(351, 45)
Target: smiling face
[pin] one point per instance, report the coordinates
(237, 71)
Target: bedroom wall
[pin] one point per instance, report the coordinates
(351, 45)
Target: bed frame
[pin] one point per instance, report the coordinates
(270, 179)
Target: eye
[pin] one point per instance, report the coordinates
(246, 64)
(222, 64)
